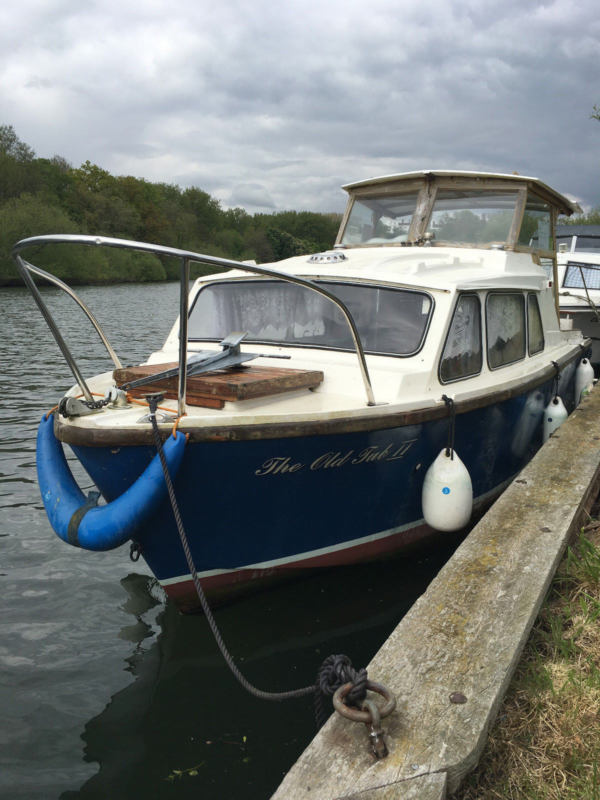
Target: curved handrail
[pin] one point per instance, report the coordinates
(30, 283)
(186, 256)
(48, 276)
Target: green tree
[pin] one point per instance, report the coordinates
(55, 179)
(94, 178)
(31, 215)
(258, 246)
(591, 218)
(17, 174)
(11, 145)
(285, 245)
(207, 211)
(25, 216)
(39, 195)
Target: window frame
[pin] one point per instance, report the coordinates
(312, 345)
(363, 198)
(533, 295)
(580, 267)
(459, 297)
(497, 293)
(508, 192)
(551, 220)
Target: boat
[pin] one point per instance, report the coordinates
(578, 263)
(330, 408)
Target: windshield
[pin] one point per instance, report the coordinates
(472, 217)
(377, 220)
(468, 217)
(390, 321)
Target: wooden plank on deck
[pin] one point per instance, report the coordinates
(213, 389)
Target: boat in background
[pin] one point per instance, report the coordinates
(420, 354)
(578, 263)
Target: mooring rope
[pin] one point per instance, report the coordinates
(556, 378)
(335, 671)
(452, 425)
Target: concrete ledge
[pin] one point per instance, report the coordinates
(465, 634)
(426, 787)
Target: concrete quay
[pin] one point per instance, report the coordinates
(464, 635)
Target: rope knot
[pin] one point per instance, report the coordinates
(334, 672)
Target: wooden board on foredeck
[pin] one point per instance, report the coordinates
(212, 389)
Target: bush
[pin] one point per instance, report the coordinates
(22, 217)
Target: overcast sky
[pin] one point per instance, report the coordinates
(273, 105)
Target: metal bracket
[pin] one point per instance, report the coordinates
(369, 713)
(74, 407)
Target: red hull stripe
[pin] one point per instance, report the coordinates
(182, 589)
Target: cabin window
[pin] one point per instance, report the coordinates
(380, 220)
(536, 228)
(462, 352)
(581, 276)
(390, 321)
(472, 217)
(505, 322)
(535, 332)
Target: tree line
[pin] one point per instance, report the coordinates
(48, 195)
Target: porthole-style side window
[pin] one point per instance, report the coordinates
(535, 332)
(505, 323)
(462, 356)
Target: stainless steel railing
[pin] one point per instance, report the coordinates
(186, 257)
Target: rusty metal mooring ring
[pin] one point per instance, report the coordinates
(355, 714)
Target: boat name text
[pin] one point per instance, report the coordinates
(283, 465)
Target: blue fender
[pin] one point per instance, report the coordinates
(75, 518)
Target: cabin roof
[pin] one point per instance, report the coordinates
(428, 268)
(564, 205)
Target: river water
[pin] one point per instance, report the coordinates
(106, 690)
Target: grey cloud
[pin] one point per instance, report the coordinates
(252, 196)
(274, 105)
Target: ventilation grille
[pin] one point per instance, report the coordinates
(329, 257)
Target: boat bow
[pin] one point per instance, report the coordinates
(79, 520)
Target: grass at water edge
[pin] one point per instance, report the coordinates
(545, 743)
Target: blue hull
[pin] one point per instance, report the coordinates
(252, 508)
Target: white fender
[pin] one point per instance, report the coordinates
(447, 497)
(584, 379)
(555, 414)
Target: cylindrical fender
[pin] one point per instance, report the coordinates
(75, 518)
(447, 496)
(584, 379)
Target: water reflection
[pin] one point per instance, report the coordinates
(185, 725)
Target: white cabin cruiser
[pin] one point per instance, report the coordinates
(420, 355)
